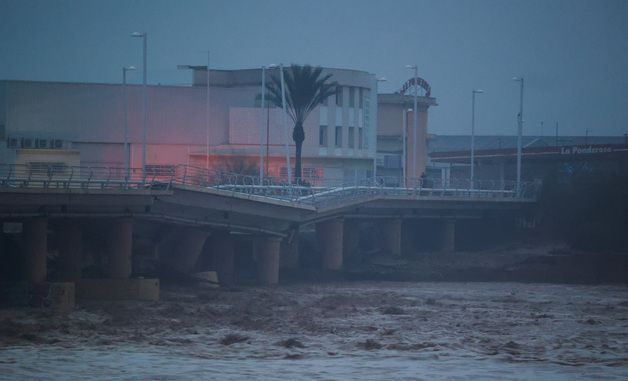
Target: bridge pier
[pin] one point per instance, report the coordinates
(69, 238)
(447, 241)
(330, 235)
(392, 236)
(35, 238)
(222, 250)
(267, 250)
(119, 249)
(351, 238)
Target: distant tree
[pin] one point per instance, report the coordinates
(305, 89)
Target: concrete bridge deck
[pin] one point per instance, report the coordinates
(187, 205)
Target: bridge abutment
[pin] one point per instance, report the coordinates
(267, 250)
(330, 236)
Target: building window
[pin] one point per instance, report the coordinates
(322, 136)
(339, 96)
(338, 136)
(351, 137)
(360, 137)
(351, 96)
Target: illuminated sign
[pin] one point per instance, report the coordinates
(584, 150)
(420, 82)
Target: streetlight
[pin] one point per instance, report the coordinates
(377, 81)
(261, 127)
(473, 92)
(206, 68)
(404, 125)
(125, 69)
(414, 117)
(283, 119)
(144, 37)
(519, 132)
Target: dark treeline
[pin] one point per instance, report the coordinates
(586, 204)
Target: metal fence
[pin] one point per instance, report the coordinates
(331, 192)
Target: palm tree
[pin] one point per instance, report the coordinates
(305, 89)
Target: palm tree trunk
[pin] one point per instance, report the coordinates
(298, 135)
(297, 162)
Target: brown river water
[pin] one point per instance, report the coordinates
(329, 331)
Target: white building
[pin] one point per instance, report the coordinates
(71, 124)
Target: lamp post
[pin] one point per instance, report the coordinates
(283, 120)
(414, 116)
(377, 81)
(261, 127)
(125, 69)
(519, 132)
(144, 37)
(473, 92)
(404, 126)
(206, 69)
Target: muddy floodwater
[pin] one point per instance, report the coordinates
(353, 330)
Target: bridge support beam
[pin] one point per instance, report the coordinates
(70, 242)
(267, 250)
(448, 236)
(330, 235)
(392, 236)
(223, 253)
(120, 247)
(35, 234)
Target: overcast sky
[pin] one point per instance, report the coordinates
(573, 54)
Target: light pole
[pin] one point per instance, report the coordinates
(144, 37)
(377, 81)
(404, 126)
(206, 69)
(125, 69)
(261, 127)
(414, 116)
(473, 92)
(283, 122)
(519, 132)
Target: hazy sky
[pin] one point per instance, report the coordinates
(573, 54)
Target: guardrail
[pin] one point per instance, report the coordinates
(54, 176)
(328, 192)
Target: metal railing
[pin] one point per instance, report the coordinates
(55, 176)
(326, 193)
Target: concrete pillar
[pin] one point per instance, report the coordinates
(289, 257)
(35, 235)
(119, 249)
(70, 243)
(187, 249)
(351, 238)
(448, 236)
(223, 256)
(392, 236)
(329, 235)
(267, 251)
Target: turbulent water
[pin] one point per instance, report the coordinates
(359, 330)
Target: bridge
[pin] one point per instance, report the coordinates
(114, 214)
